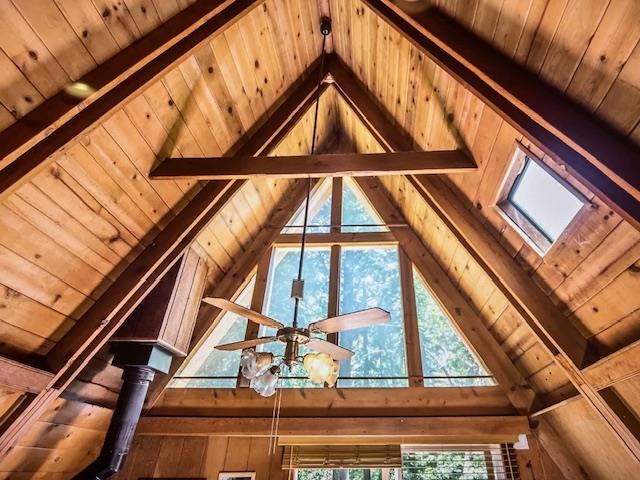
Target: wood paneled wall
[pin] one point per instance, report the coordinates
(155, 456)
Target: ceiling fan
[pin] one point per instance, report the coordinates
(322, 365)
(294, 336)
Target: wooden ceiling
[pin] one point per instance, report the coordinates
(71, 229)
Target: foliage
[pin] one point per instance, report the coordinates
(444, 353)
(355, 210)
(370, 277)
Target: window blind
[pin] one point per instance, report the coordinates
(341, 456)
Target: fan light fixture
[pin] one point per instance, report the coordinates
(263, 369)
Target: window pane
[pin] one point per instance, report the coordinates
(548, 203)
(444, 466)
(357, 211)
(279, 304)
(319, 212)
(209, 362)
(444, 353)
(370, 277)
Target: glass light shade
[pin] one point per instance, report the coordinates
(265, 383)
(333, 376)
(319, 367)
(255, 363)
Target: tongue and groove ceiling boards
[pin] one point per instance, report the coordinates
(78, 207)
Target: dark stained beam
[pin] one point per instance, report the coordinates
(96, 326)
(27, 145)
(602, 159)
(315, 166)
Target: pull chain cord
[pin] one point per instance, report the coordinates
(306, 205)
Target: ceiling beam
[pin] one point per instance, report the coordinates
(96, 326)
(602, 159)
(451, 300)
(315, 166)
(479, 428)
(26, 147)
(23, 378)
(336, 402)
(606, 372)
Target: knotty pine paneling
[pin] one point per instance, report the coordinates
(591, 52)
(70, 231)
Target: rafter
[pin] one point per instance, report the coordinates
(315, 166)
(27, 146)
(97, 325)
(601, 159)
(561, 339)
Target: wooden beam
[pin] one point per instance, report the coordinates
(96, 326)
(557, 449)
(24, 378)
(602, 159)
(336, 402)
(26, 147)
(375, 238)
(412, 341)
(507, 428)
(315, 166)
(606, 372)
(451, 300)
(529, 300)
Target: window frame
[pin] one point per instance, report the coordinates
(526, 227)
(336, 239)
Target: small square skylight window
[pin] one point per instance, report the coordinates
(539, 202)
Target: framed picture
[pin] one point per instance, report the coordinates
(237, 476)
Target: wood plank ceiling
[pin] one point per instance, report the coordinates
(592, 271)
(69, 231)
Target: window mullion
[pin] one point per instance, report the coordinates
(257, 303)
(334, 288)
(411, 332)
(336, 205)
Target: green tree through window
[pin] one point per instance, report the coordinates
(370, 277)
(444, 353)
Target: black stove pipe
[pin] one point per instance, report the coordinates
(123, 424)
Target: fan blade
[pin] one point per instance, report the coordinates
(255, 317)
(336, 352)
(246, 343)
(351, 321)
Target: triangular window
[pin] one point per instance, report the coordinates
(447, 361)
(319, 211)
(357, 213)
(211, 368)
